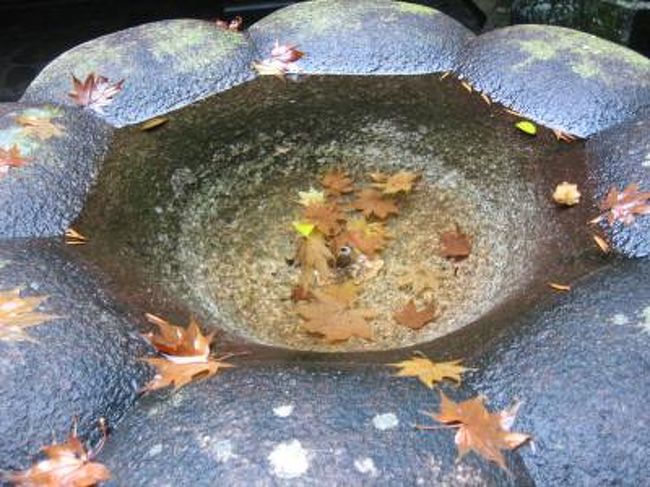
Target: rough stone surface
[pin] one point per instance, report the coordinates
(364, 36)
(561, 78)
(618, 157)
(224, 431)
(82, 364)
(581, 368)
(44, 195)
(165, 65)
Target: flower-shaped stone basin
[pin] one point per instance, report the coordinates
(194, 216)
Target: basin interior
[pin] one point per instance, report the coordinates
(195, 217)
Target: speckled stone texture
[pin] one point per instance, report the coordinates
(312, 424)
(580, 366)
(83, 363)
(618, 157)
(559, 77)
(44, 195)
(165, 65)
(364, 37)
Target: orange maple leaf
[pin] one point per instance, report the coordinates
(18, 313)
(410, 317)
(479, 430)
(95, 92)
(338, 182)
(455, 244)
(335, 321)
(172, 340)
(10, 158)
(624, 205)
(371, 202)
(401, 181)
(368, 238)
(326, 217)
(67, 464)
(41, 127)
(172, 373)
(313, 256)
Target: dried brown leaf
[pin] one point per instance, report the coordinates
(169, 373)
(10, 158)
(336, 322)
(326, 217)
(176, 341)
(17, 313)
(410, 317)
(371, 202)
(401, 181)
(95, 92)
(337, 182)
(624, 205)
(455, 244)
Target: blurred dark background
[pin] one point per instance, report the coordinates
(33, 32)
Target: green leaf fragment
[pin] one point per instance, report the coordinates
(527, 127)
(304, 228)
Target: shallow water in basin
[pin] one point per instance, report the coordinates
(195, 217)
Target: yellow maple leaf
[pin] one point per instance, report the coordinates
(18, 313)
(429, 372)
(43, 128)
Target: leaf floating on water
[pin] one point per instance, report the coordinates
(527, 127)
(559, 287)
(566, 194)
(313, 255)
(326, 217)
(66, 464)
(429, 372)
(336, 322)
(624, 206)
(344, 294)
(371, 202)
(455, 244)
(153, 123)
(401, 181)
(95, 92)
(18, 313)
(176, 374)
(337, 182)
(410, 317)
(368, 238)
(479, 430)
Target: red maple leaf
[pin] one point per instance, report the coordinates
(624, 205)
(95, 92)
(10, 158)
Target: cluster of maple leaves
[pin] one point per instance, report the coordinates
(342, 231)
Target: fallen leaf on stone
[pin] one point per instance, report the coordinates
(486, 433)
(566, 194)
(95, 92)
(234, 25)
(282, 61)
(486, 99)
(337, 182)
(326, 217)
(455, 244)
(175, 374)
(624, 205)
(429, 372)
(153, 123)
(418, 278)
(311, 197)
(17, 313)
(40, 127)
(602, 244)
(10, 158)
(564, 136)
(299, 293)
(368, 238)
(559, 287)
(72, 237)
(336, 322)
(67, 464)
(410, 317)
(371, 202)
(313, 255)
(178, 343)
(185, 354)
(467, 86)
(401, 181)
(527, 127)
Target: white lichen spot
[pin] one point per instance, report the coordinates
(283, 411)
(289, 460)
(620, 319)
(155, 450)
(646, 161)
(645, 323)
(385, 421)
(366, 466)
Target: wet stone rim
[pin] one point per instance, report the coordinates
(464, 58)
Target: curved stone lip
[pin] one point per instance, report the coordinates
(254, 50)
